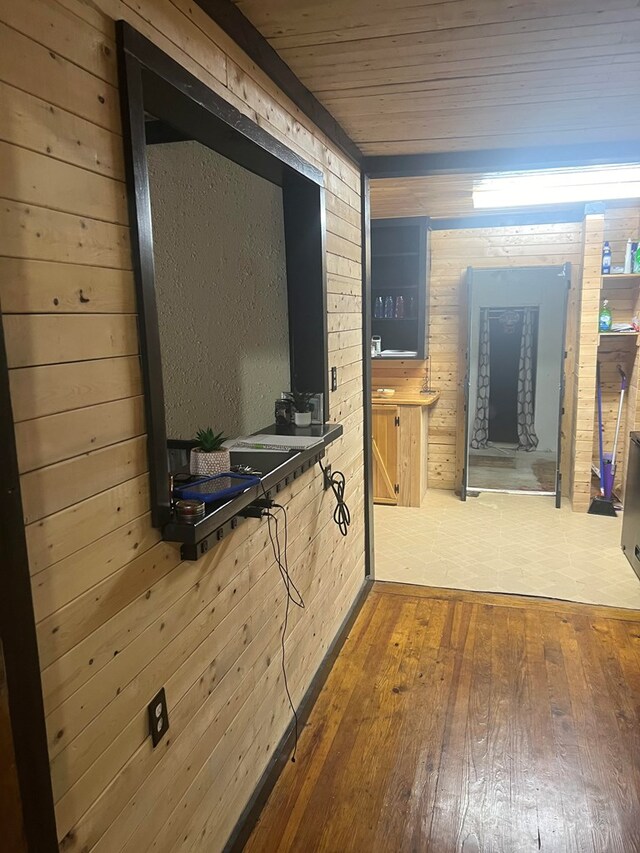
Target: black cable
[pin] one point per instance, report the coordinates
(282, 561)
(341, 514)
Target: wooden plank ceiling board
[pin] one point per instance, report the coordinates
(456, 75)
(440, 197)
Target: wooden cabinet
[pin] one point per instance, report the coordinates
(385, 431)
(400, 433)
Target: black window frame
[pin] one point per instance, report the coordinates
(151, 83)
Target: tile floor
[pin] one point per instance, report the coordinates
(502, 466)
(505, 543)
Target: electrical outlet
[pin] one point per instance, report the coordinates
(334, 378)
(158, 717)
(327, 477)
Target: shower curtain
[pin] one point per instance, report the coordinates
(480, 432)
(527, 438)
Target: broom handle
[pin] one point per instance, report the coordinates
(600, 427)
(615, 440)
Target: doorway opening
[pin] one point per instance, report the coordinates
(505, 334)
(514, 379)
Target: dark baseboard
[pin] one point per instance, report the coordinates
(249, 817)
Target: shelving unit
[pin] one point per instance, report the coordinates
(399, 268)
(613, 224)
(619, 348)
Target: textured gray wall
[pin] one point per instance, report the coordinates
(221, 281)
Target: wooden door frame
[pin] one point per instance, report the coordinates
(367, 400)
(19, 640)
(563, 380)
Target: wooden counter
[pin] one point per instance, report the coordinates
(400, 439)
(425, 398)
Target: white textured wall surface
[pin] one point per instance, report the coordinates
(221, 282)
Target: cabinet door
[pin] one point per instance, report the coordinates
(385, 454)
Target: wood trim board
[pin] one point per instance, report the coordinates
(235, 24)
(18, 635)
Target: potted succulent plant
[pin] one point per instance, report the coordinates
(209, 457)
(301, 406)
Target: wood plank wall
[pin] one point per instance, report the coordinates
(451, 253)
(118, 615)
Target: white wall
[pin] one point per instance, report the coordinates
(221, 282)
(540, 287)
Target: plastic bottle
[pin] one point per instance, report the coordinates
(378, 309)
(399, 307)
(628, 258)
(606, 259)
(388, 308)
(605, 320)
(636, 259)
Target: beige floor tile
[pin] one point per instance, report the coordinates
(505, 543)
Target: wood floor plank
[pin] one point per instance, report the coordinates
(289, 800)
(458, 723)
(341, 793)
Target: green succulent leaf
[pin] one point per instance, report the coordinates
(209, 441)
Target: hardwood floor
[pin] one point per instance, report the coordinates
(456, 721)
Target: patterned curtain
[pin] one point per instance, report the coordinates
(527, 438)
(480, 432)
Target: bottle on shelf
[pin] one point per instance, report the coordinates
(388, 308)
(378, 308)
(628, 258)
(605, 319)
(411, 312)
(399, 307)
(636, 259)
(606, 258)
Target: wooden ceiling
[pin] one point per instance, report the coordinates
(437, 196)
(448, 197)
(444, 75)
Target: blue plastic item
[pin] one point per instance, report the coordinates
(218, 488)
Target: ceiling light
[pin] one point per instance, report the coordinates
(557, 186)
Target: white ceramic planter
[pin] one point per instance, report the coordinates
(206, 464)
(302, 419)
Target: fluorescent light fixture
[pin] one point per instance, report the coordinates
(557, 186)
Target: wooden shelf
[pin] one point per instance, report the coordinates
(628, 276)
(618, 335)
(395, 254)
(383, 288)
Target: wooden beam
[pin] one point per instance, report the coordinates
(18, 637)
(242, 31)
(507, 219)
(501, 159)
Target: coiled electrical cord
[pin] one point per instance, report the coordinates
(341, 514)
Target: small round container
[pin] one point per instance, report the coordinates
(189, 511)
